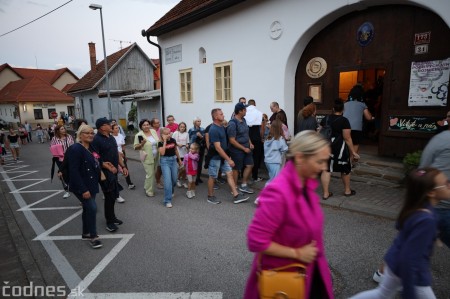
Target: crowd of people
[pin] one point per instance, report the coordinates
(287, 226)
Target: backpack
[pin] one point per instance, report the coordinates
(64, 169)
(326, 130)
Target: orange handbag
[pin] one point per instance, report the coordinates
(278, 284)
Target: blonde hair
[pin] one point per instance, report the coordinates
(306, 142)
(81, 129)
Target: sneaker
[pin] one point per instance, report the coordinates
(111, 227)
(220, 181)
(246, 189)
(378, 276)
(240, 198)
(96, 244)
(159, 186)
(150, 194)
(120, 199)
(168, 205)
(193, 193)
(87, 237)
(118, 222)
(66, 194)
(185, 186)
(131, 186)
(216, 186)
(179, 184)
(189, 194)
(257, 201)
(213, 200)
(258, 179)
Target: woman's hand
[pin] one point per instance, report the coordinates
(356, 156)
(86, 195)
(307, 253)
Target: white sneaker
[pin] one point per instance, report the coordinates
(185, 185)
(189, 194)
(66, 194)
(168, 205)
(193, 193)
(378, 276)
(120, 199)
(132, 186)
(179, 184)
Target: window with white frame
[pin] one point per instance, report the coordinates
(222, 76)
(186, 86)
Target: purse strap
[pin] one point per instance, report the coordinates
(293, 265)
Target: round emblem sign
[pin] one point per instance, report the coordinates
(53, 114)
(316, 67)
(365, 34)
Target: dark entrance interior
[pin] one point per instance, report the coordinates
(372, 81)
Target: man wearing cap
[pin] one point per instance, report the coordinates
(107, 149)
(240, 147)
(306, 118)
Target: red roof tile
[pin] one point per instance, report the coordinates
(49, 76)
(93, 77)
(32, 90)
(187, 12)
(67, 87)
(5, 65)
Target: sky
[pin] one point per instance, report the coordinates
(61, 38)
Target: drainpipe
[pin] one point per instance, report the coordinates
(144, 34)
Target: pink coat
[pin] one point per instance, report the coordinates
(284, 216)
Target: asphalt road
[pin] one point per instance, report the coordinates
(193, 248)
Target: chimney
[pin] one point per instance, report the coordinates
(92, 55)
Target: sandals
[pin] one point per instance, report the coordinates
(329, 195)
(352, 192)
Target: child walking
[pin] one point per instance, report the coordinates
(191, 166)
(407, 262)
(39, 133)
(275, 147)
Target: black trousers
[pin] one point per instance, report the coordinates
(201, 155)
(258, 155)
(110, 201)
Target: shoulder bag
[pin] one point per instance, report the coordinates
(278, 283)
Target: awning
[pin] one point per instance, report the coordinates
(142, 96)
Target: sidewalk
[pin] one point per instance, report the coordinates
(375, 181)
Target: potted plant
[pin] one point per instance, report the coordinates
(411, 161)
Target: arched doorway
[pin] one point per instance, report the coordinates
(381, 63)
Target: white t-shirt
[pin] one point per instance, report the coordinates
(183, 139)
(120, 141)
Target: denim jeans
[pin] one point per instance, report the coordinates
(273, 169)
(169, 168)
(444, 225)
(89, 215)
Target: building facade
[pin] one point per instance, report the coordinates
(215, 52)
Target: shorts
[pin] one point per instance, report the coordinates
(241, 159)
(191, 178)
(14, 145)
(214, 167)
(357, 137)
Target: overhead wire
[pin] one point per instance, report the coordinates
(36, 19)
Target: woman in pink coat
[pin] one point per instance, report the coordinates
(288, 223)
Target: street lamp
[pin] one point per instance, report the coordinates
(95, 7)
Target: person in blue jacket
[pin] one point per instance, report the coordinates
(84, 176)
(407, 262)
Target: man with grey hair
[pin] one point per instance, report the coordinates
(275, 108)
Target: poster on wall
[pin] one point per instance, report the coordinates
(428, 84)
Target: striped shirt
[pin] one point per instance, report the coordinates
(66, 142)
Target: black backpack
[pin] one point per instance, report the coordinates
(64, 169)
(326, 130)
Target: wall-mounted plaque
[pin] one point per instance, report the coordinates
(316, 67)
(365, 34)
(276, 30)
(173, 54)
(315, 91)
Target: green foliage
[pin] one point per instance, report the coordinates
(132, 114)
(412, 160)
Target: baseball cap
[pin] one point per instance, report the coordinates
(101, 121)
(239, 107)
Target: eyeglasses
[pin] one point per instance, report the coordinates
(447, 185)
(88, 133)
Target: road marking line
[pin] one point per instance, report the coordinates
(27, 207)
(52, 229)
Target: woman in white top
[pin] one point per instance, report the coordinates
(146, 141)
(182, 139)
(120, 140)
